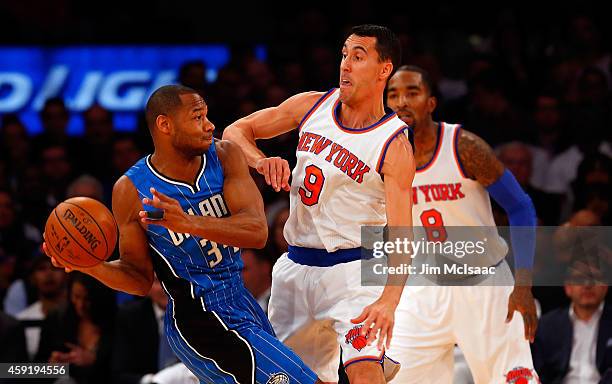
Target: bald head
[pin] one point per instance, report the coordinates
(165, 101)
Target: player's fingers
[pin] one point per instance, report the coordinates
(265, 171)
(286, 174)
(156, 203)
(55, 263)
(161, 196)
(361, 317)
(382, 337)
(510, 312)
(389, 337)
(45, 249)
(280, 173)
(533, 326)
(376, 327)
(273, 181)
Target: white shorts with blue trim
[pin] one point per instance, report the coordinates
(311, 310)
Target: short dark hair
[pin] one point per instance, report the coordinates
(387, 43)
(57, 101)
(425, 76)
(163, 101)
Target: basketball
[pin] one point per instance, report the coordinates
(81, 232)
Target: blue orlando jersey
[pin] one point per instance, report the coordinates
(212, 269)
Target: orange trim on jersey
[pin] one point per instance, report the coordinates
(356, 131)
(383, 153)
(456, 151)
(315, 107)
(435, 156)
(364, 358)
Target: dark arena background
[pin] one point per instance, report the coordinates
(531, 79)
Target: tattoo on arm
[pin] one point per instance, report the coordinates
(478, 159)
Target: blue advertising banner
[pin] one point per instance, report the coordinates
(119, 78)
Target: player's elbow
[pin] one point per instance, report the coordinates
(261, 237)
(232, 132)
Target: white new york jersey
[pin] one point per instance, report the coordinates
(443, 196)
(336, 186)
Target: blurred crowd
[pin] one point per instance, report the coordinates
(542, 100)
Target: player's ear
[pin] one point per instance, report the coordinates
(432, 103)
(386, 70)
(163, 123)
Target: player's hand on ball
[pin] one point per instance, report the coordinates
(522, 300)
(377, 317)
(276, 172)
(174, 218)
(54, 261)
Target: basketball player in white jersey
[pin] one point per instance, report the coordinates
(348, 142)
(478, 317)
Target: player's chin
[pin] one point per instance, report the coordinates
(345, 93)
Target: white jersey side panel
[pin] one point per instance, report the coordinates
(443, 196)
(336, 187)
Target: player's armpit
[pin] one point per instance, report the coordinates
(478, 159)
(268, 123)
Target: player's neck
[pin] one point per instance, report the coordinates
(175, 165)
(425, 135)
(361, 114)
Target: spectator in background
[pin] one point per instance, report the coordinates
(86, 186)
(548, 137)
(56, 172)
(491, 114)
(125, 153)
(54, 118)
(192, 74)
(19, 241)
(95, 145)
(140, 346)
(16, 237)
(31, 194)
(7, 271)
(589, 121)
(572, 344)
(50, 284)
(12, 340)
(592, 187)
(517, 157)
(257, 275)
(81, 333)
(15, 145)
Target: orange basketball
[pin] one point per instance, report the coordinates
(81, 232)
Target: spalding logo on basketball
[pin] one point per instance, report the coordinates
(278, 378)
(81, 232)
(522, 375)
(354, 338)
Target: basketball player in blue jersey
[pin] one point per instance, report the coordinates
(183, 212)
(354, 168)
(456, 174)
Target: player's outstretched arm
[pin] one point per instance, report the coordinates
(265, 124)
(245, 228)
(133, 272)
(398, 170)
(480, 163)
